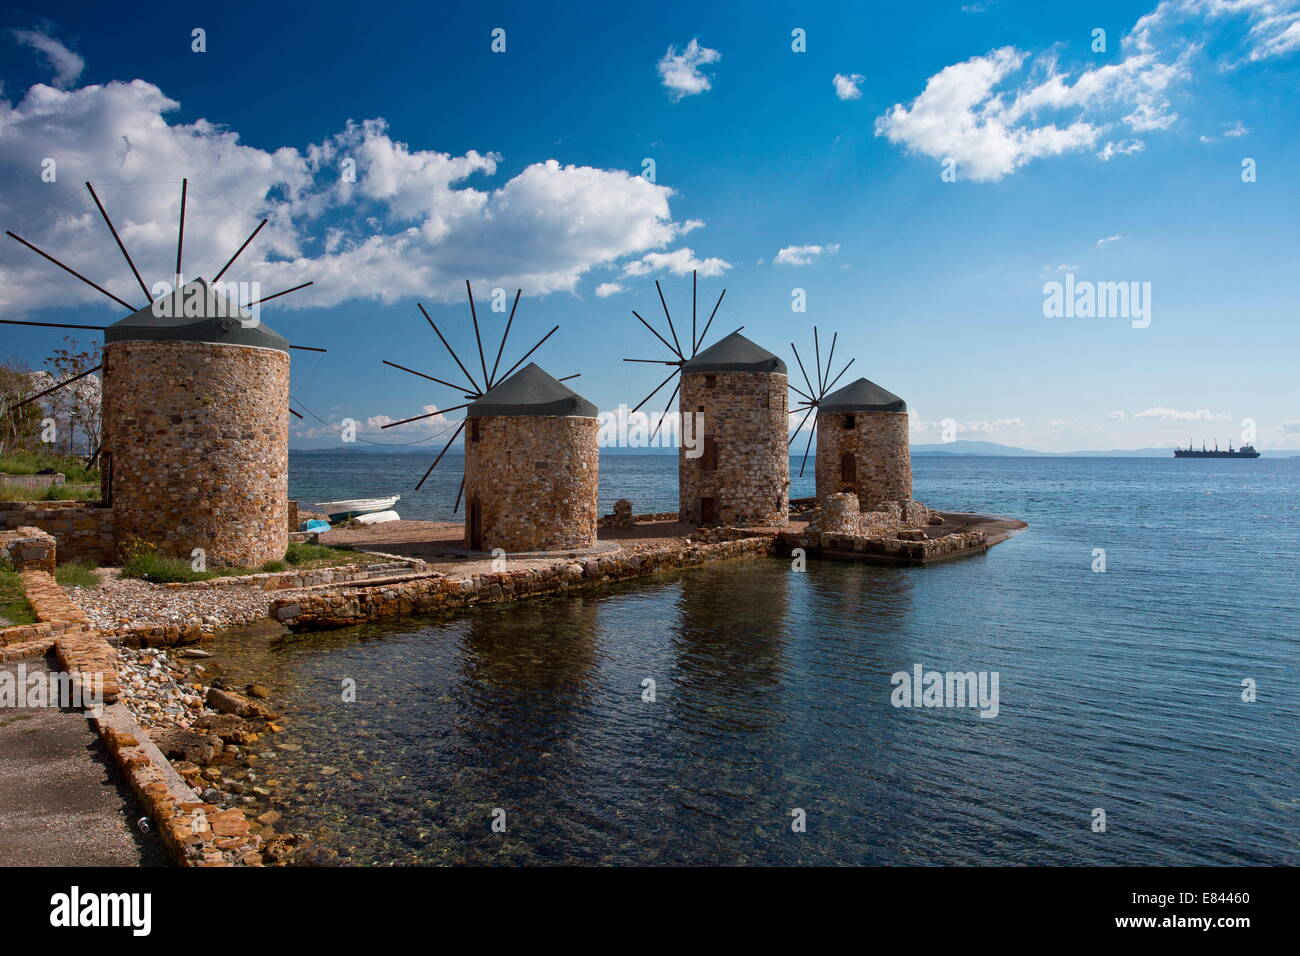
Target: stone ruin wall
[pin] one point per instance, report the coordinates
(83, 529)
(879, 444)
(746, 412)
(199, 441)
(536, 479)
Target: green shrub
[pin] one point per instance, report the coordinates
(161, 569)
(69, 492)
(272, 566)
(77, 574)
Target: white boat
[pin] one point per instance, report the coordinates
(351, 508)
(378, 517)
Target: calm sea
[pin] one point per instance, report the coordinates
(1119, 691)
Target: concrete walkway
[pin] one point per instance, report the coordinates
(62, 803)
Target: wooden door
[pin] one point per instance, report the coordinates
(708, 511)
(475, 526)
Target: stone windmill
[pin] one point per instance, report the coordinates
(195, 436)
(862, 434)
(475, 390)
(734, 391)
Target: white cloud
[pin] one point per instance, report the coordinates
(606, 289)
(1123, 147)
(1115, 417)
(681, 72)
(1171, 414)
(415, 223)
(994, 116)
(846, 85)
(679, 262)
(67, 65)
(1236, 129)
(1109, 239)
(1291, 427)
(803, 255)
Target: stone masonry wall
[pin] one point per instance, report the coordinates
(83, 529)
(199, 441)
(535, 479)
(746, 414)
(879, 445)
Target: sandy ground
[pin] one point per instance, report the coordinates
(62, 803)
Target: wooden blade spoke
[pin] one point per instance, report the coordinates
(126, 255)
(416, 418)
(231, 260)
(504, 336)
(708, 323)
(529, 352)
(664, 303)
(812, 431)
(458, 430)
(671, 397)
(450, 350)
(459, 388)
(802, 369)
(71, 271)
(459, 491)
(658, 336)
(278, 294)
(55, 387)
(180, 237)
(473, 314)
(657, 387)
(842, 371)
(795, 433)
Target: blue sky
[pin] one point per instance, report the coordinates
(526, 168)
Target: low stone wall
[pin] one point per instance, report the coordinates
(900, 547)
(311, 577)
(83, 529)
(612, 521)
(28, 549)
(437, 592)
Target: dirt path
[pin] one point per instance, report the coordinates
(61, 802)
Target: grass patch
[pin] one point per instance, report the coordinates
(270, 567)
(25, 462)
(303, 554)
(77, 574)
(13, 601)
(162, 569)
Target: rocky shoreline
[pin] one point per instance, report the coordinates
(121, 602)
(220, 741)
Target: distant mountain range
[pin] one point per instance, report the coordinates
(988, 449)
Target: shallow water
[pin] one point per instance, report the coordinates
(1118, 690)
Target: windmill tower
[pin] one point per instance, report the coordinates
(862, 445)
(518, 395)
(532, 466)
(195, 435)
(733, 401)
(861, 429)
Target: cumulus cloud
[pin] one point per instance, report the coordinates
(606, 289)
(995, 113)
(846, 85)
(681, 73)
(803, 255)
(361, 213)
(679, 262)
(1173, 414)
(67, 65)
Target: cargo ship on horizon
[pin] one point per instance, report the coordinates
(1245, 451)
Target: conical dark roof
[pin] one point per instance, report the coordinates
(195, 313)
(862, 396)
(530, 391)
(735, 353)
